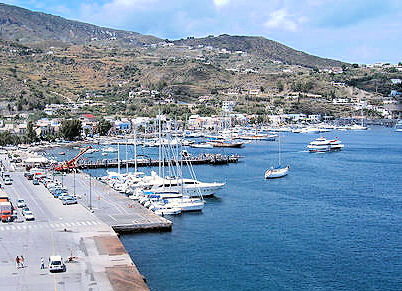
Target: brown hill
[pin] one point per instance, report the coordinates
(261, 47)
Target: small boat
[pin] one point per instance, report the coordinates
(109, 150)
(202, 146)
(358, 127)
(62, 153)
(398, 126)
(104, 154)
(322, 144)
(90, 151)
(225, 144)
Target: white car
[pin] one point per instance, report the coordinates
(29, 215)
(56, 264)
(21, 203)
(7, 181)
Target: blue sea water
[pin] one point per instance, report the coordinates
(334, 223)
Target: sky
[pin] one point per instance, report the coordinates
(355, 31)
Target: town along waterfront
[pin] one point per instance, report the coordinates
(334, 223)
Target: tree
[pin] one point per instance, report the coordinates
(104, 126)
(355, 66)
(262, 89)
(344, 67)
(31, 134)
(279, 85)
(71, 129)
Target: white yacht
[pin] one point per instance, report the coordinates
(185, 186)
(398, 126)
(322, 144)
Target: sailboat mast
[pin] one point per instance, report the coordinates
(135, 148)
(279, 146)
(126, 155)
(160, 143)
(118, 157)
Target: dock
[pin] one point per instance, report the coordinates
(207, 159)
(85, 237)
(113, 208)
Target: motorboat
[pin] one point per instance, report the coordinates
(185, 186)
(109, 150)
(322, 144)
(398, 126)
(186, 204)
(358, 127)
(225, 144)
(268, 137)
(202, 146)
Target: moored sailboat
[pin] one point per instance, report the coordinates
(278, 171)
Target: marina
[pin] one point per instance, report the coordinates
(147, 225)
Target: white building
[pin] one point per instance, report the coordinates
(228, 106)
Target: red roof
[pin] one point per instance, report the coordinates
(89, 116)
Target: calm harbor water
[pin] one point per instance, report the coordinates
(334, 223)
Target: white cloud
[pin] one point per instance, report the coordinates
(283, 20)
(220, 3)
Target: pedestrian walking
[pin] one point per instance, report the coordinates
(42, 263)
(22, 260)
(17, 262)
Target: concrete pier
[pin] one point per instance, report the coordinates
(99, 261)
(113, 208)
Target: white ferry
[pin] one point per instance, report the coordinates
(322, 144)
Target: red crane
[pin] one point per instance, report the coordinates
(71, 164)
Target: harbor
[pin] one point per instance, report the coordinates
(106, 207)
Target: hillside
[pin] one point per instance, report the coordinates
(30, 27)
(261, 47)
(77, 61)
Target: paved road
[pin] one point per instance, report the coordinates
(112, 207)
(99, 254)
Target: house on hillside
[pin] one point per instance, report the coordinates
(228, 106)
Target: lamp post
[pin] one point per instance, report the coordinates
(90, 192)
(74, 183)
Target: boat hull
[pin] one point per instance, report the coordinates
(276, 173)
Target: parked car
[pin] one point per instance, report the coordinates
(57, 192)
(29, 215)
(21, 203)
(7, 181)
(69, 200)
(56, 264)
(63, 196)
(25, 210)
(35, 182)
